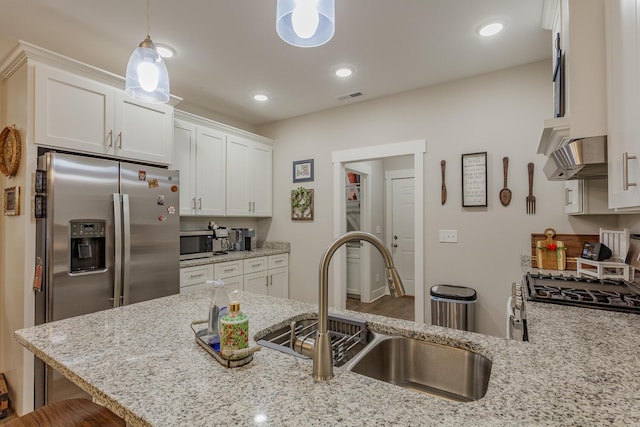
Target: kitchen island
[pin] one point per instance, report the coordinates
(142, 362)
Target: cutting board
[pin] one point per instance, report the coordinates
(573, 242)
(551, 254)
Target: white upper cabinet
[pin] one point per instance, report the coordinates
(80, 114)
(222, 173)
(623, 71)
(249, 177)
(199, 155)
(581, 26)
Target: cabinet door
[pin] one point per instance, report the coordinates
(261, 178)
(238, 201)
(234, 283)
(573, 193)
(184, 160)
(279, 282)
(143, 131)
(210, 172)
(623, 41)
(256, 283)
(73, 112)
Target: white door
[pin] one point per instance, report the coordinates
(403, 202)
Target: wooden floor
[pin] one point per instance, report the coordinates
(400, 308)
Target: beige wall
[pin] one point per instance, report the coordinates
(501, 113)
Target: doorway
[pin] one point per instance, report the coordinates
(340, 159)
(357, 215)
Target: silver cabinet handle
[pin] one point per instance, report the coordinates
(625, 171)
(249, 206)
(567, 197)
(229, 270)
(253, 206)
(200, 203)
(110, 138)
(119, 139)
(193, 276)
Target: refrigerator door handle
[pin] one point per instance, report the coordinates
(117, 225)
(126, 233)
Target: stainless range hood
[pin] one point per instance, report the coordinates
(584, 158)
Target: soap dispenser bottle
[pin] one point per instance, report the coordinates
(234, 328)
(217, 309)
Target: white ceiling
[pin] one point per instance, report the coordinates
(229, 49)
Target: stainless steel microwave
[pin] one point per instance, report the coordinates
(196, 244)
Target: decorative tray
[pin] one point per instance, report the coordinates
(236, 359)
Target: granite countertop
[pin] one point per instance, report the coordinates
(142, 362)
(265, 249)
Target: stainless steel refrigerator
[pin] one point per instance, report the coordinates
(108, 234)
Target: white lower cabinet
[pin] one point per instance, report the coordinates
(272, 280)
(267, 275)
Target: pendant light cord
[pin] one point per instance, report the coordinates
(148, 19)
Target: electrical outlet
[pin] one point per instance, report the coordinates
(448, 236)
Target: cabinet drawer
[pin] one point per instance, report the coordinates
(195, 275)
(227, 269)
(253, 265)
(276, 261)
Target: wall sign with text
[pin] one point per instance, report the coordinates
(474, 179)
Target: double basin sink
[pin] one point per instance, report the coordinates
(439, 370)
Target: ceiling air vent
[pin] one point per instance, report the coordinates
(350, 95)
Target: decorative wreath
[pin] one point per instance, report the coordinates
(301, 199)
(10, 151)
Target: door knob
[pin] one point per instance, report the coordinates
(395, 237)
(395, 245)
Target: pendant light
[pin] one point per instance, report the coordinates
(147, 77)
(305, 23)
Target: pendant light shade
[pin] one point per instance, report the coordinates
(305, 23)
(147, 77)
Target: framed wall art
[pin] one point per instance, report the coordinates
(302, 204)
(11, 205)
(303, 171)
(474, 179)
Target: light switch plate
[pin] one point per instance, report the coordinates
(448, 236)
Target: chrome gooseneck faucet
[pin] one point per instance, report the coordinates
(322, 356)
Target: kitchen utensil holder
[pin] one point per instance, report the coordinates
(220, 358)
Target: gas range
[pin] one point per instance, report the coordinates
(605, 294)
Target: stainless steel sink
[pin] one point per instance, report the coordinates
(348, 337)
(435, 369)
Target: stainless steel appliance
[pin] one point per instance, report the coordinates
(516, 315)
(196, 244)
(606, 294)
(243, 238)
(584, 158)
(221, 242)
(107, 235)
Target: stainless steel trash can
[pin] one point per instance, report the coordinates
(454, 307)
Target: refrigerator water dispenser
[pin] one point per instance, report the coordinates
(87, 246)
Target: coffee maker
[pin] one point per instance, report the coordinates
(221, 242)
(243, 238)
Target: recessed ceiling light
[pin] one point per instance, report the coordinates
(165, 51)
(491, 28)
(261, 97)
(344, 71)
